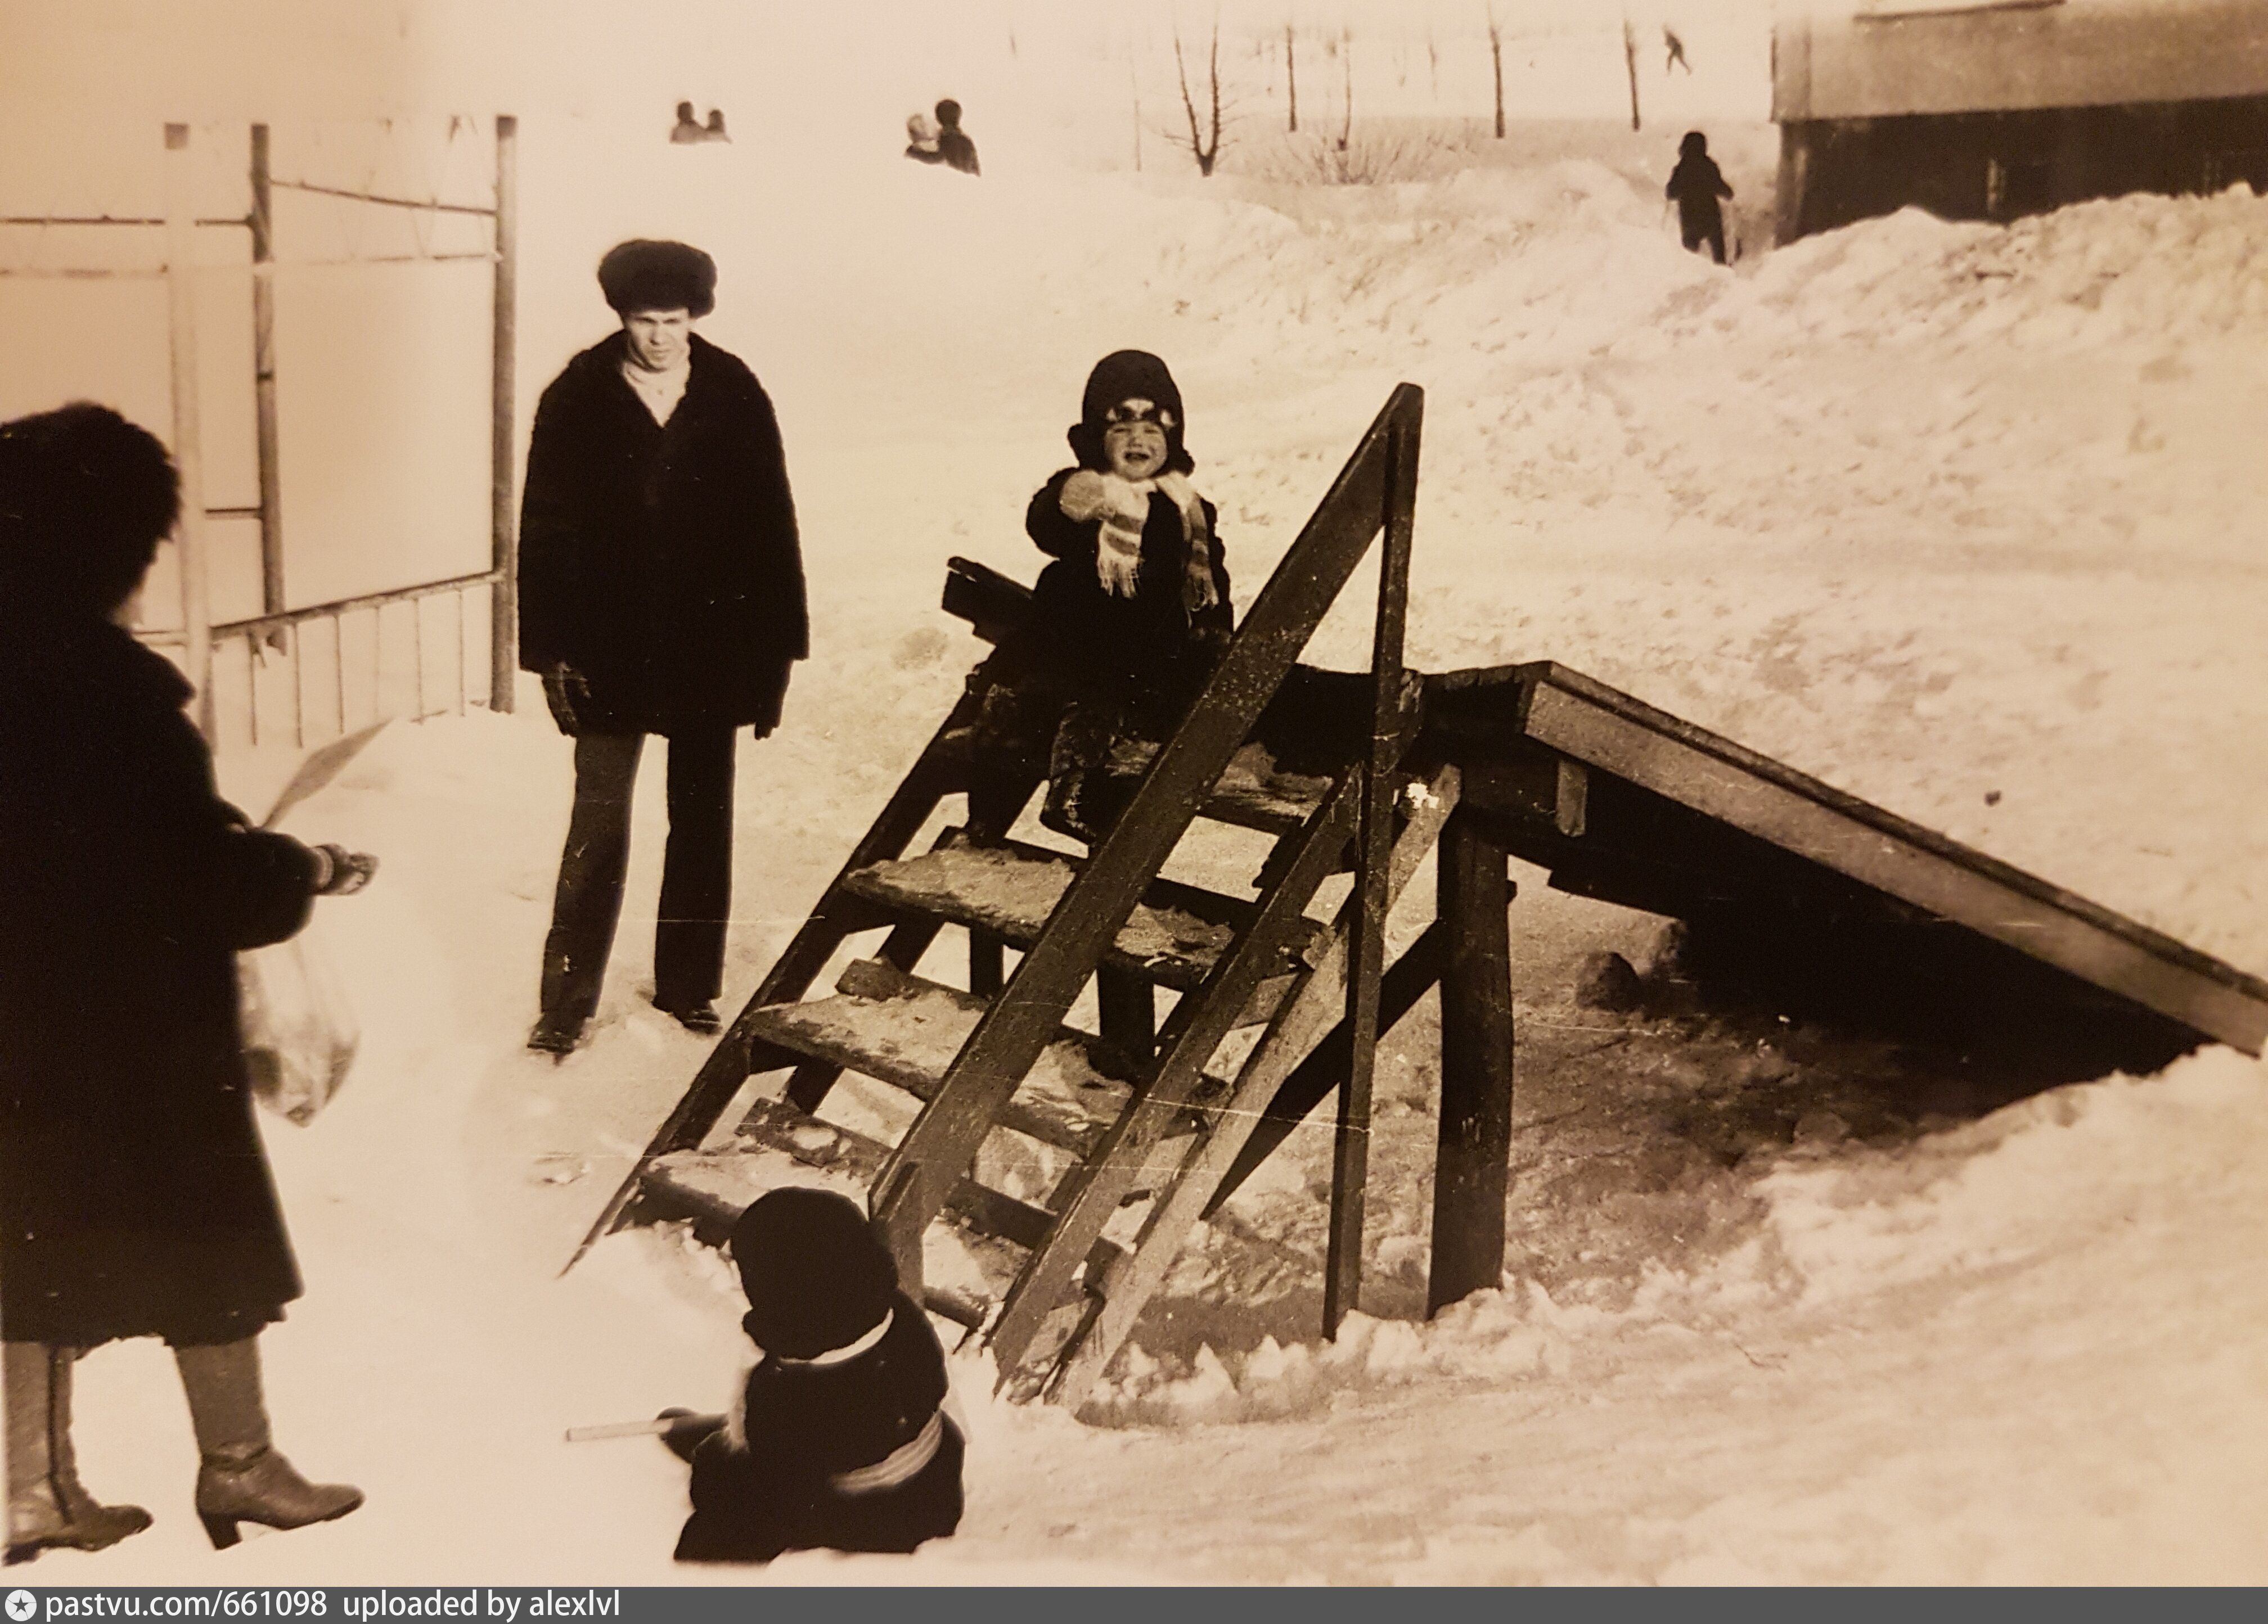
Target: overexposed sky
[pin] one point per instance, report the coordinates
(280, 59)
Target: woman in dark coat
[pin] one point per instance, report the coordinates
(661, 592)
(134, 1200)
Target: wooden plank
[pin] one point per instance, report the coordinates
(1615, 734)
(1367, 944)
(1098, 902)
(825, 1146)
(1470, 1170)
(1314, 1006)
(1170, 938)
(1194, 1032)
(905, 1032)
(672, 1190)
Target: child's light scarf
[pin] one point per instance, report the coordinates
(1123, 505)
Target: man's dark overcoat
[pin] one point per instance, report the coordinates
(662, 563)
(134, 1198)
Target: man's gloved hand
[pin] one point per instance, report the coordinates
(339, 872)
(568, 695)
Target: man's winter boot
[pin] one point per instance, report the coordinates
(47, 1503)
(243, 1478)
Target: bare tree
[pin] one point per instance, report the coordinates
(1630, 63)
(1346, 72)
(1205, 137)
(1291, 73)
(1496, 61)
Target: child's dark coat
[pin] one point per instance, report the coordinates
(803, 1427)
(1114, 648)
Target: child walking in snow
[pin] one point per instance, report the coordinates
(840, 1439)
(1127, 622)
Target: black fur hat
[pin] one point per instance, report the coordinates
(86, 497)
(1695, 145)
(816, 1276)
(1127, 375)
(646, 274)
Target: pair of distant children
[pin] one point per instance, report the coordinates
(842, 1438)
(944, 142)
(690, 131)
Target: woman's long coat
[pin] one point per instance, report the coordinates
(134, 1198)
(662, 563)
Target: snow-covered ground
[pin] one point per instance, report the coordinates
(1963, 519)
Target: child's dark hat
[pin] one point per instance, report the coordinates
(646, 274)
(1129, 375)
(817, 1278)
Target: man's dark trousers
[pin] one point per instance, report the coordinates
(696, 877)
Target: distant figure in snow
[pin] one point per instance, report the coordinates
(714, 130)
(688, 131)
(844, 1436)
(952, 146)
(1674, 49)
(1127, 622)
(1695, 185)
(661, 591)
(921, 140)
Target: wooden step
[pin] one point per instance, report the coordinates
(1252, 793)
(710, 1189)
(905, 1030)
(1173, 937)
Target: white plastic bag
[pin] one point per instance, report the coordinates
(300, 1028)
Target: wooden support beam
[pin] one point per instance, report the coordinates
(1474, 894)
(1406, 981)
(1127, 1005)
(1366, 938)
(1306, 1017)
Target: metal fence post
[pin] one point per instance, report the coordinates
(188, 447)
(504, 603)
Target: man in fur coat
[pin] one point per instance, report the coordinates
(661, 592)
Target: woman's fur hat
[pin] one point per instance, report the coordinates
(646, 274)
(1127, 375)
(86, 497)
(817, 1278)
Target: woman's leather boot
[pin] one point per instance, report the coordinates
(47, 1505)
(243, 1479)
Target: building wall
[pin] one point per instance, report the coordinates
(1892, 58)
(2000, 165)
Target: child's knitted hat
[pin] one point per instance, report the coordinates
(1127, 375)
(817, 1278)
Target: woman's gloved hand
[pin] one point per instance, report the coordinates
(339, 872)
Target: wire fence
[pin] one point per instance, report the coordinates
(385, 194)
